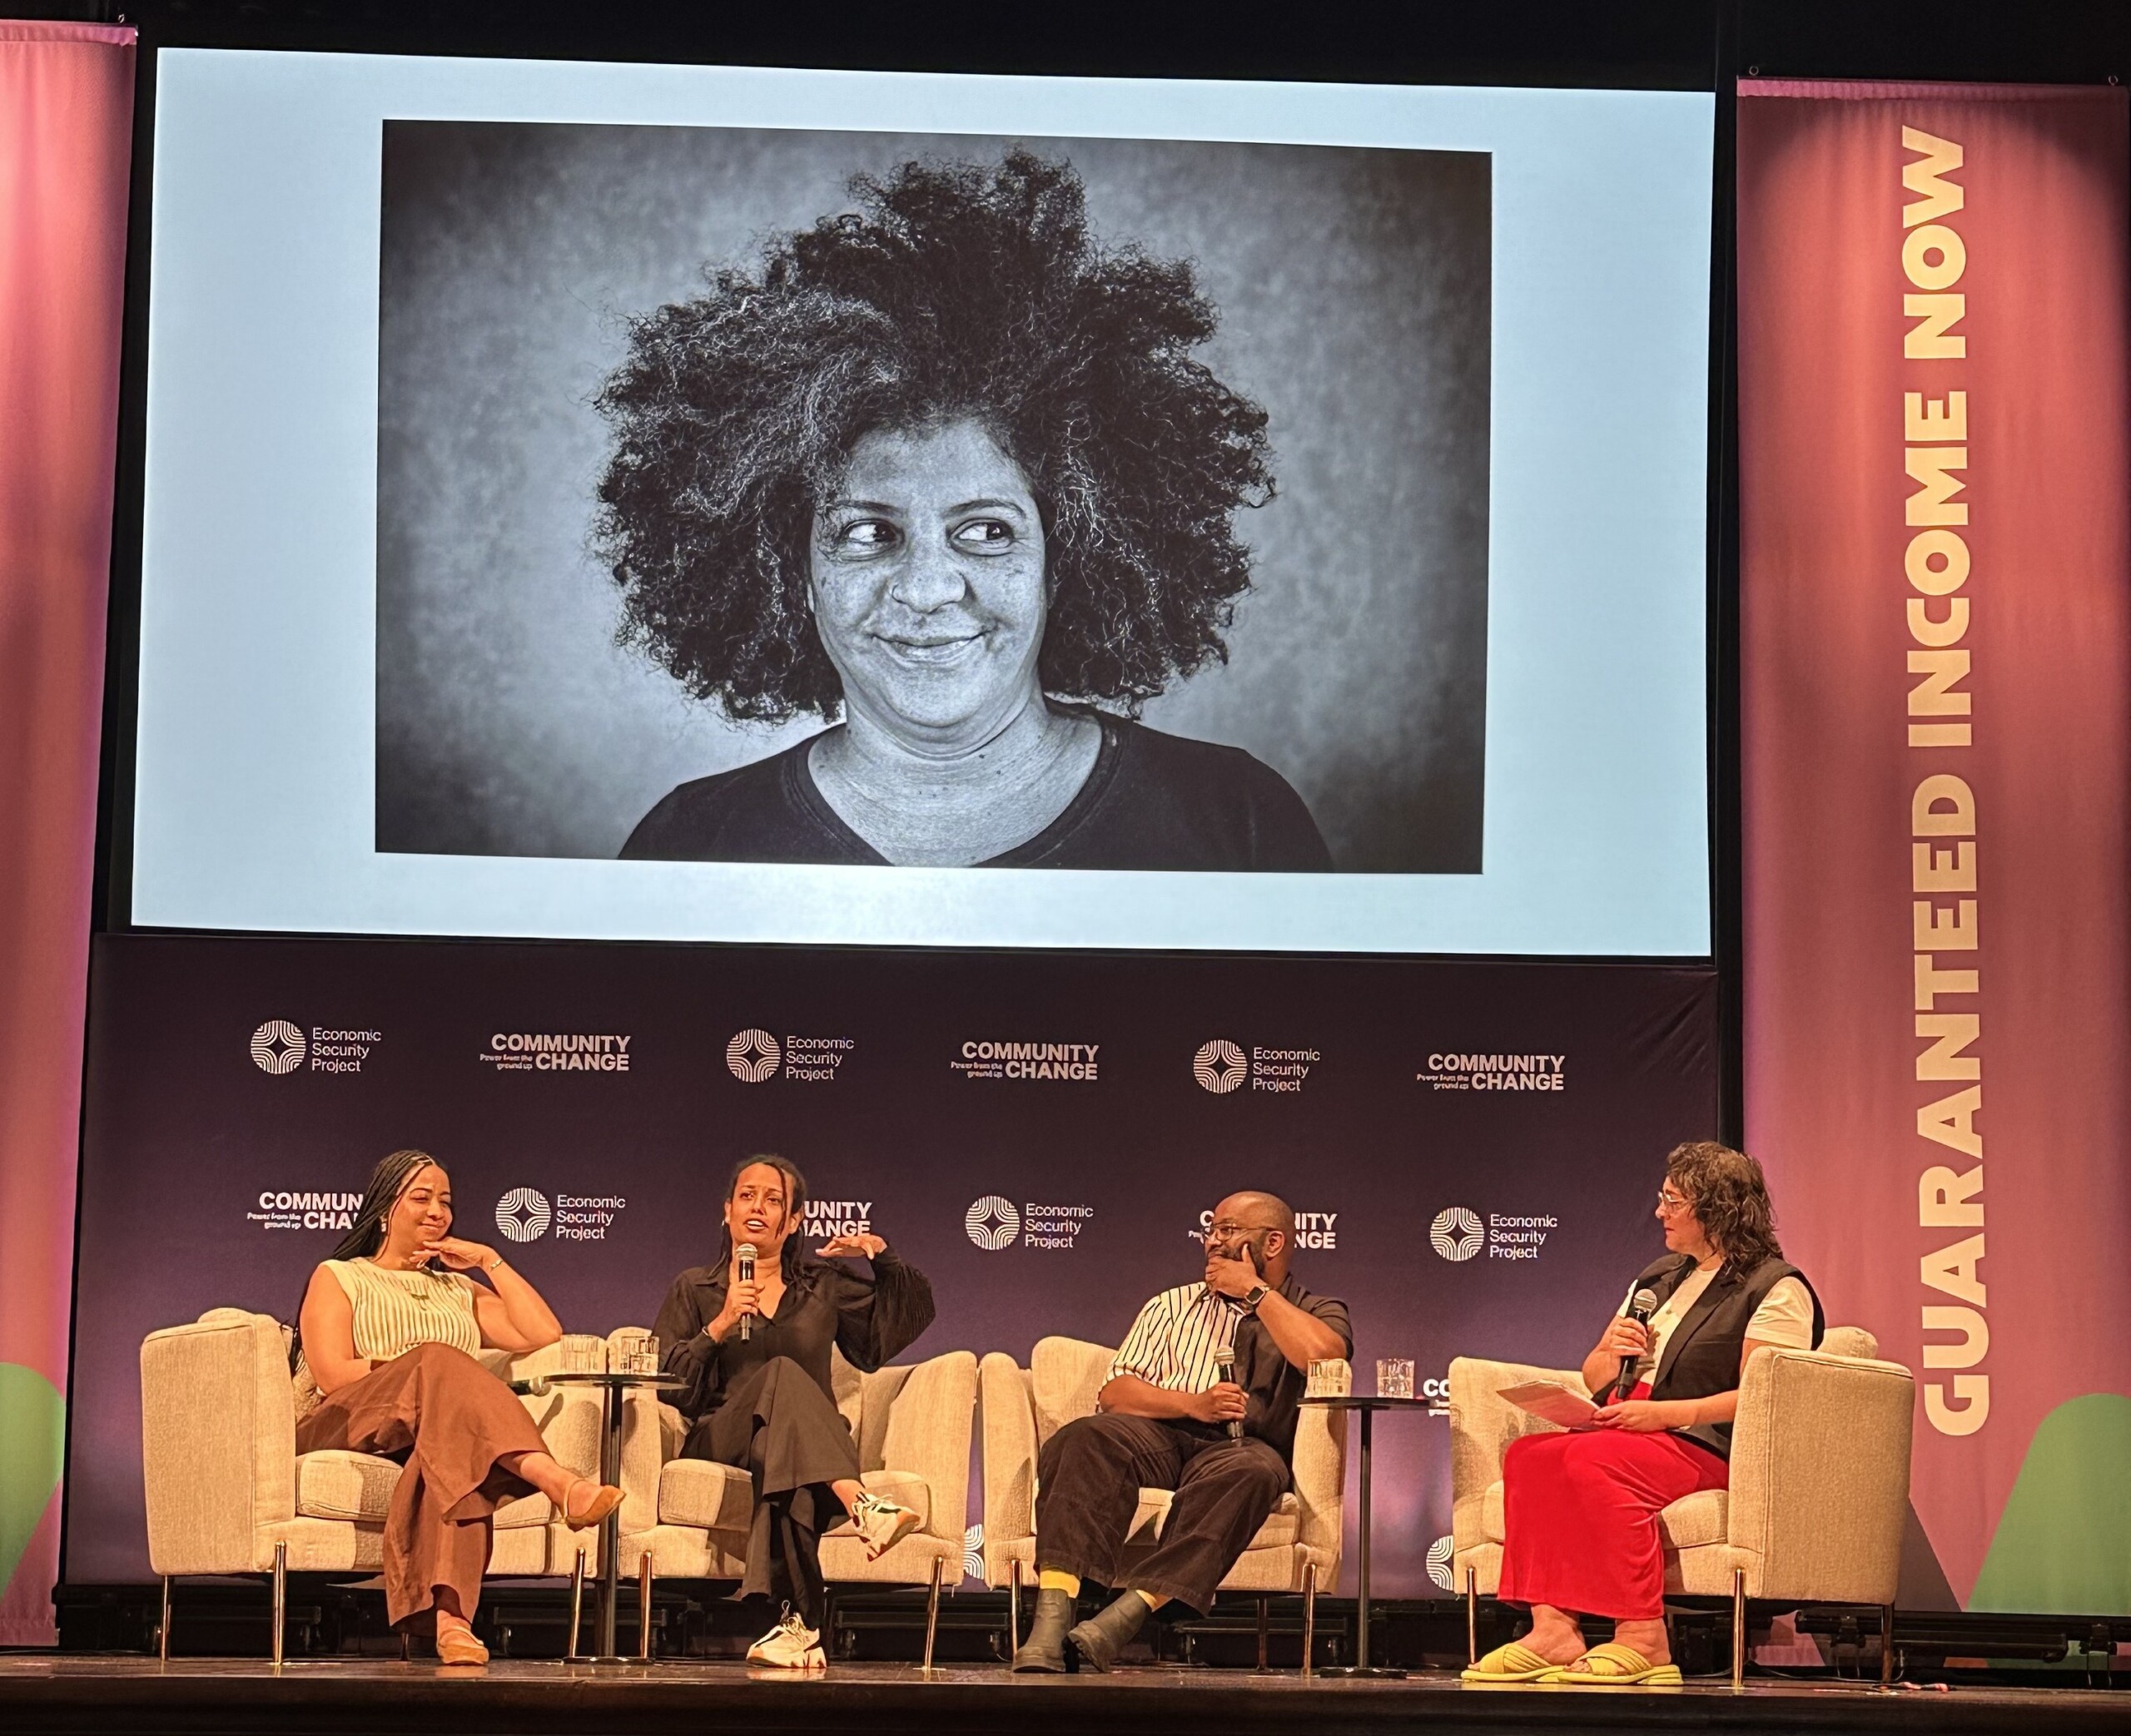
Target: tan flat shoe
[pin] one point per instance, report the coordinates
(606, 1497)
(457, 1647)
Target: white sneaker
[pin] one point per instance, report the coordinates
(881, 1523)
(791, 1644)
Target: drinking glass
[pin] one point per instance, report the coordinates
(584, 1353)
(1329, 1377)
(1394, 1377)
(636, 1352)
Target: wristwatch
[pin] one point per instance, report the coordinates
(1255, 1295)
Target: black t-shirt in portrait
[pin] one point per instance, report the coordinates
(1152, 801)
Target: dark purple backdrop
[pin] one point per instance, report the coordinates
(185, 1133)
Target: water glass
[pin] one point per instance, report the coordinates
(1329, 1377)
(584, 1353)
(1394, 1377)
(638, 1353)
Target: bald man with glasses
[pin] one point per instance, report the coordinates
(1162, 1421)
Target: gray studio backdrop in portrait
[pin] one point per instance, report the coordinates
(1352, 288)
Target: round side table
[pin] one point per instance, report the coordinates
(1368, 1406)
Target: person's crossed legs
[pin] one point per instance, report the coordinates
(1090, 1479)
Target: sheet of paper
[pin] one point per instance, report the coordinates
(1553, 1402)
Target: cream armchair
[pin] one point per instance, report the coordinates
(1819, 1487)
(228, 1493)
(1296, 1549)
(690, 1518)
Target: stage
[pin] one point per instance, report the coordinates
(68, 1693)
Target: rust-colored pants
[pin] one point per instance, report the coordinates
(448, 1421)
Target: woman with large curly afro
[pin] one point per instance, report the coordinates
(945, 470)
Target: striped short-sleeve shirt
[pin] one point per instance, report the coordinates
(1174, 1341)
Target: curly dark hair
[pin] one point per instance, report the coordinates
(1729, 1196)
(955, 291)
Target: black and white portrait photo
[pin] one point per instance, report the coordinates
(897, 499)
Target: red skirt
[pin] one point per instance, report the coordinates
(1580, 1517)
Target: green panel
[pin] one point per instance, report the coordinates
(33, 1435)
(2064, 1541)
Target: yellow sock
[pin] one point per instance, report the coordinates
(1153, 1600)
(1051, 1579)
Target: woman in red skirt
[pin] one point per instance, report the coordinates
(1580, 1508)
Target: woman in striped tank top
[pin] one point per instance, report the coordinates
(384, 1363)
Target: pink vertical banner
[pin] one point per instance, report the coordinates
(1935, 649)
(66, 130)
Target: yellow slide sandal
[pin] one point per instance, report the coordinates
(1511, 1663)
(1614, 1665)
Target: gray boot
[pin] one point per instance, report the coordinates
(1043, 1653)
(1101, 1637)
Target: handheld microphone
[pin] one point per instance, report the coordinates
(744, 1259)
(1225, 1366)
(1641, 1306)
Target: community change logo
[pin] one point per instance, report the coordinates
(524, 1215)
(992, 1223)
(1455, 1233)
(1439, 1554)
(1219, 1066)
(753, 1056)
(278, 1047)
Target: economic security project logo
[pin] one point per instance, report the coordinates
(1221, 1067)
(1458, 1234)
(993, 1223)
(523, 1214)
(1455, 1233)
(277, 1046)
(281, 1047)
(754, 1056)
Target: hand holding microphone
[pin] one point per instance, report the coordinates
(1628, 1338)
(1224, 1365)
(743, 1265)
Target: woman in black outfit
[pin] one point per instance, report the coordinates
(763, 1401)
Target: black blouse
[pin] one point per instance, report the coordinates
(1154, 800)
(868, 1318)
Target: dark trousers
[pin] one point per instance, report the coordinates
(1089, 1477)
(787, 1433)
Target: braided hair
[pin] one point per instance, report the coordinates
(366, 1234)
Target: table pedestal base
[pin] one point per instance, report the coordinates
(1364, 1673)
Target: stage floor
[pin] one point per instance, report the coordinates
(73, 1693)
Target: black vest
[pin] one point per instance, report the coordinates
(1701, 1357)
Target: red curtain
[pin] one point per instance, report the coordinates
(1936, 669)
(66, 125)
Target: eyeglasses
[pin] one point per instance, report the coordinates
(1670, 1203)
(1227, 1230)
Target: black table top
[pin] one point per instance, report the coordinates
(1372, 1401)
